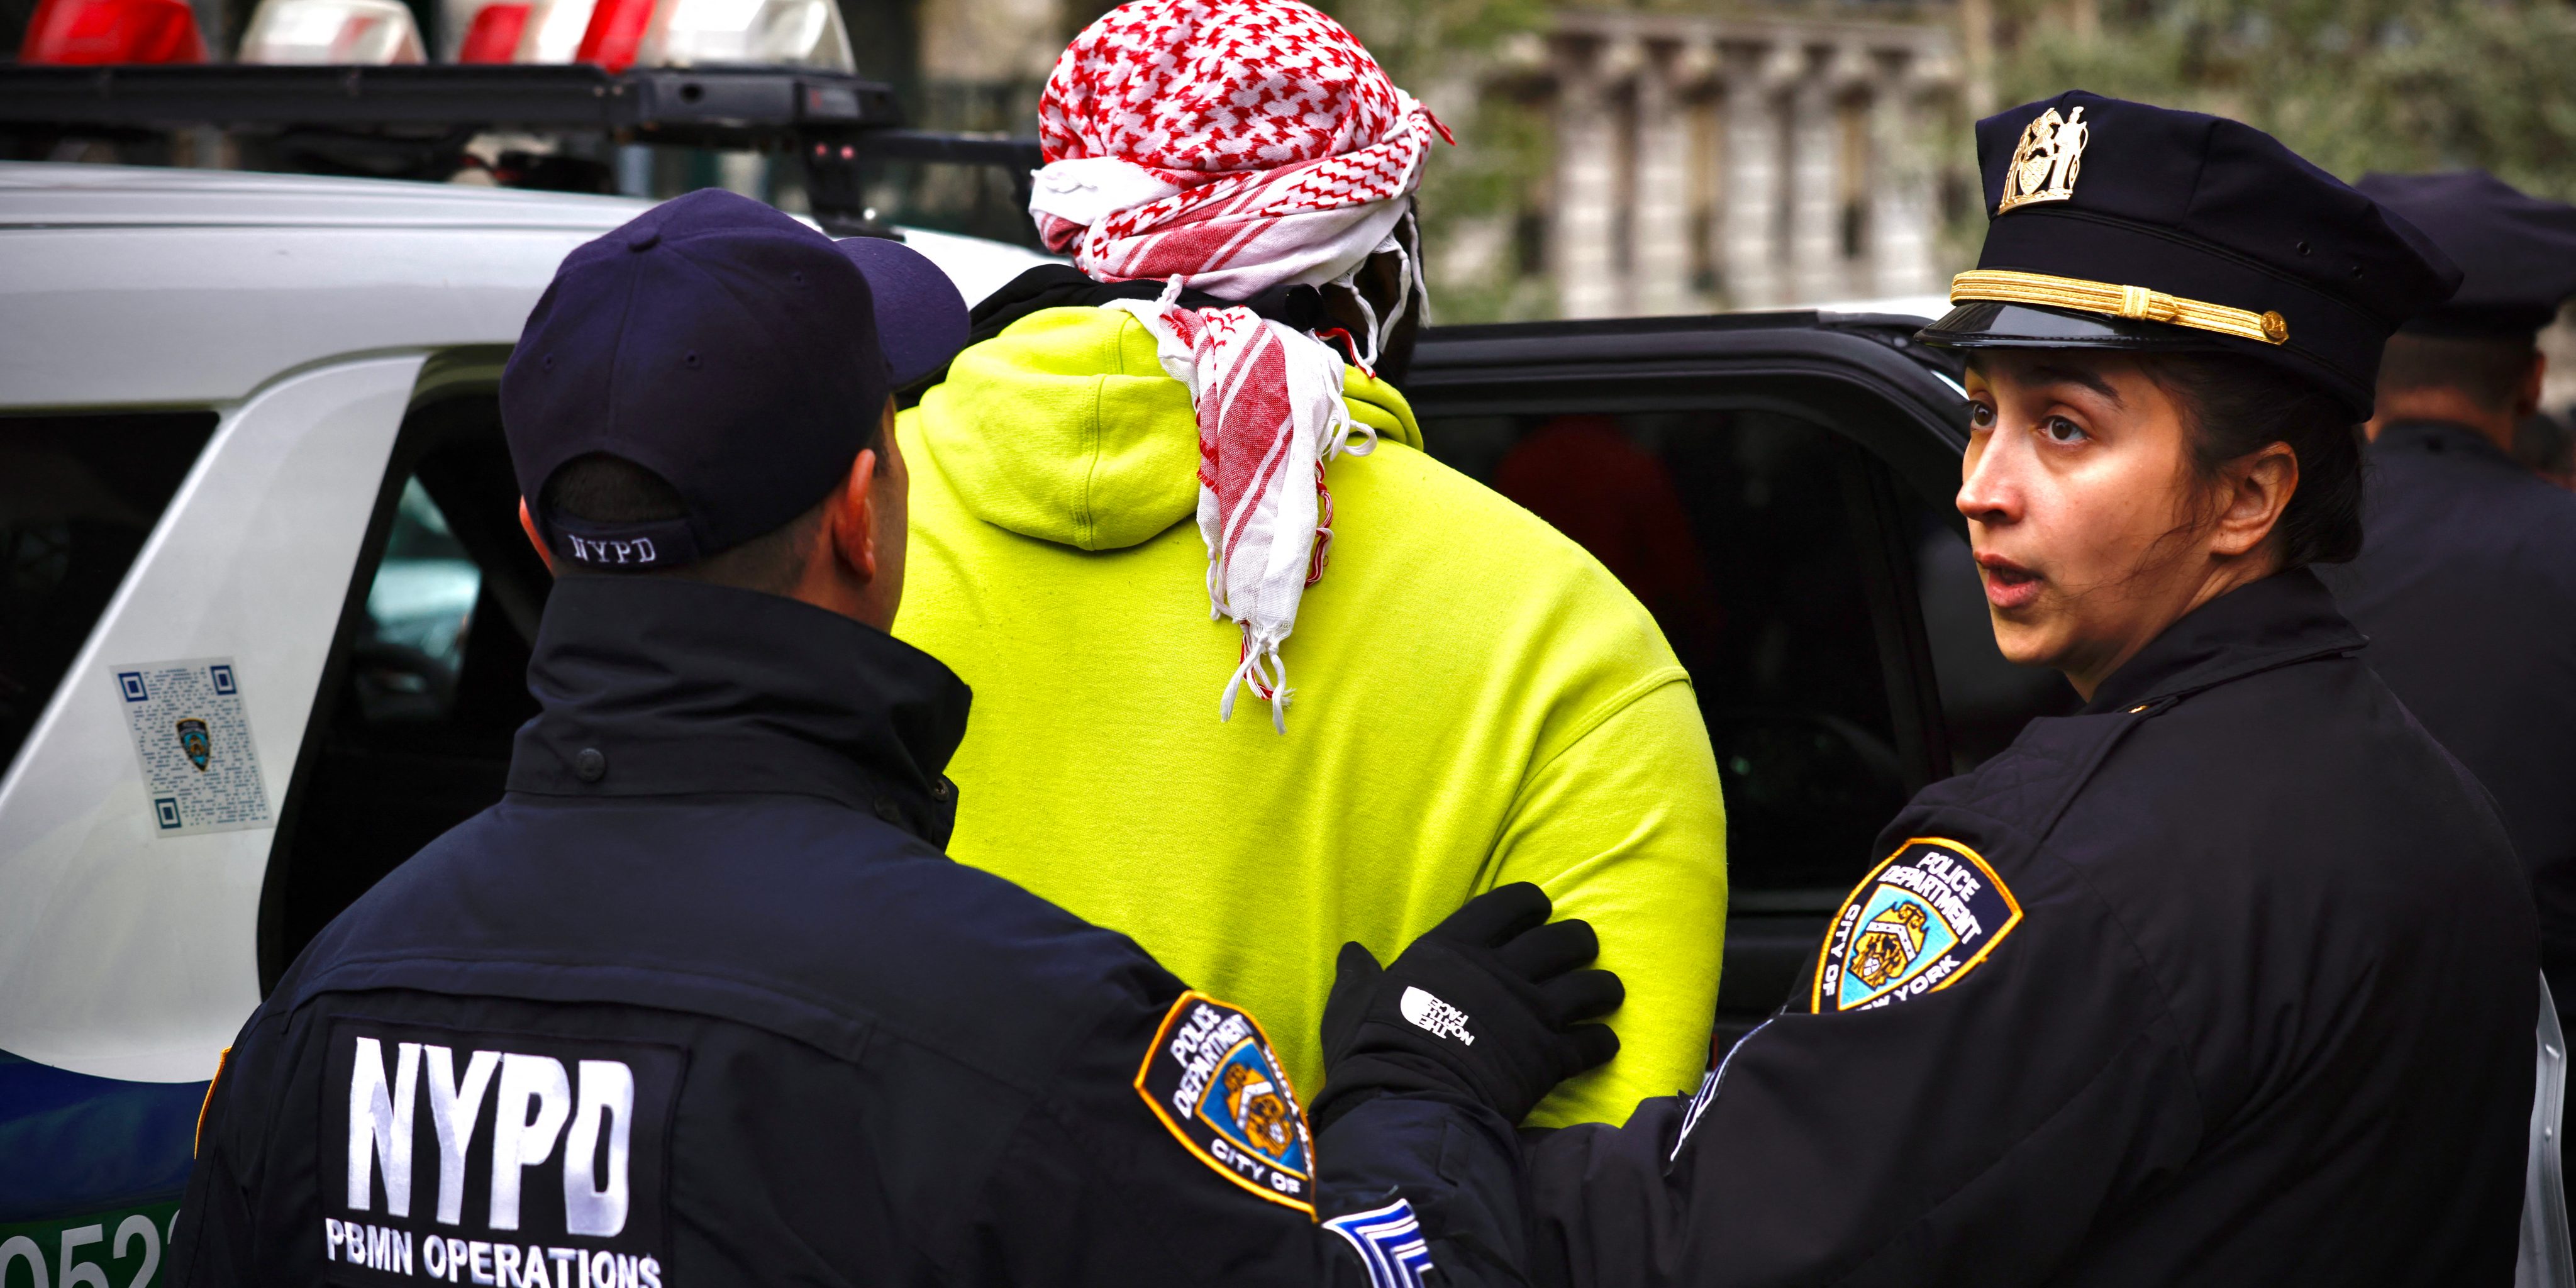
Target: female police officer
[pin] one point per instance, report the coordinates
(2228, 978)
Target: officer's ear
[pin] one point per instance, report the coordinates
(854, 517)
(868, 509)
(2256, 488)
(529, 525)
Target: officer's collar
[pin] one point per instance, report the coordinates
(2439, 436)
(683, 687)
(2285, 618)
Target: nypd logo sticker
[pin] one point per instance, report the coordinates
(1930, 914)
(1214, 1081)
(192, 739)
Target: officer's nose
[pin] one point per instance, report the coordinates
(1989, 492)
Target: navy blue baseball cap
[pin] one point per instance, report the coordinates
(2119, 225)
(728, 348)
(2517, 253)
(921, 315)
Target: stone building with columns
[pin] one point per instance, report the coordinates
(1710, 161)
(1700, 154)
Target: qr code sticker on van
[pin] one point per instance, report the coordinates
(200, 772)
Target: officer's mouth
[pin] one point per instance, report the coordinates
(2009, 586)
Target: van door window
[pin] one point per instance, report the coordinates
(1757, 541)
(1984, 699)
(418, 610)
(78, 497)
(1734, 530)
(428, 684)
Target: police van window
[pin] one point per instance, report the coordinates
(428, 682)
(78, 497)
(418, 608)
(1985, 700)
(1732, 528)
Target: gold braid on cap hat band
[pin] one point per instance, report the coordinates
(2134, 302)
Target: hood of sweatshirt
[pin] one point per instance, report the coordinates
(1065, 428)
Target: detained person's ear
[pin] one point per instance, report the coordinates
(528, 525)
(2259, 486)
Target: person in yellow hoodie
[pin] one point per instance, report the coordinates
(1477, 702)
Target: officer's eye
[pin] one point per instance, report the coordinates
(1981, 415)
(2061, 430)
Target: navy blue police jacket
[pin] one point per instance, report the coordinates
(2467, 590)
(2229, 978)
(701, 1002)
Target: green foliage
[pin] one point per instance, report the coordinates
(1487, 188)
(2353, 85)
(1421, 41)
(1450, 53)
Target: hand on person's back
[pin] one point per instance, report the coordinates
(1492, 1004)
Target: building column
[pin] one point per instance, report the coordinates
(1751, 220)
(1580, 247)
(1901, 213)
(1815, 190)
(1704, 110)
(1661, 206)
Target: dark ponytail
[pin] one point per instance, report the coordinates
(2237, 405)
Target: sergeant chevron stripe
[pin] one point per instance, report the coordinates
(1389, 1241)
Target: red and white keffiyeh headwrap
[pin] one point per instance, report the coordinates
(1234, 146)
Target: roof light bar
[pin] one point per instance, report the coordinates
(553, 32)
(749, 33)
(112, 31)
(493, 35)
(615, 32)
(373, 33)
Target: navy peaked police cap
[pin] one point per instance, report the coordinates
(2517, 253)
(720, 344)
(2128, 226)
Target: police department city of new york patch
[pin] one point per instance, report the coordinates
(1214, 1081)
(1930, 914)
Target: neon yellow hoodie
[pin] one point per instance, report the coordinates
(1477, 701)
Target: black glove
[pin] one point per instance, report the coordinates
(1484, 1005)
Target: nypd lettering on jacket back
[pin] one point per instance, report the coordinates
(499, 1159)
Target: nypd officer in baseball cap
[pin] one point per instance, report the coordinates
(701, 1001)
(2466, 584)
(2230, 977)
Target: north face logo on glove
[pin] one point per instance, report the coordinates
(1436, 1017)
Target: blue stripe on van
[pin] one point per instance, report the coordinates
(81, 1144)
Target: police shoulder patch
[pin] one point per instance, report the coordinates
(1919, 923)
(1214, 1081)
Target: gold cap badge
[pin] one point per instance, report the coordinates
(2045, 162)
